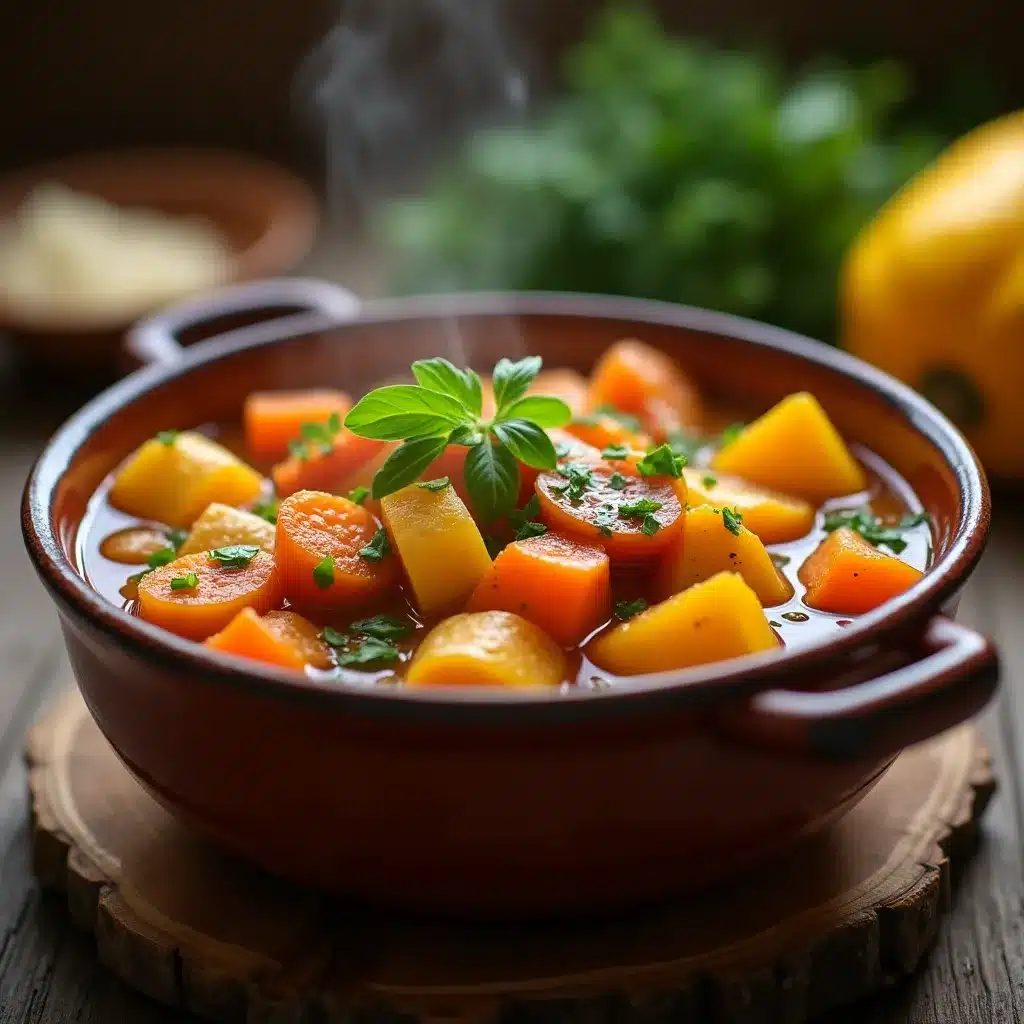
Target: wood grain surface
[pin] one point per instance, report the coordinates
(49, 972)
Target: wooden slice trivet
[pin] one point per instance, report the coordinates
(827, 924)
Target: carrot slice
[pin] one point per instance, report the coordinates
(559, 584)
(604, 431)
(595, 504)
(638, 379)
(324, 471)
(273, 418)
(849, 576)
(220, 593)
(277, 638)
(568, 385)
(319, 537)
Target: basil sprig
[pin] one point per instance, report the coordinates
(444, 407)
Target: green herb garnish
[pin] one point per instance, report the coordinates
(168, 437)
(640, 507)
(662, 461)
(780, 561)
(523, 520)
(872, 529)
(605, 520)
(617, 482)
(358, 494)
(176, 538)
(528, 530)
(733, 521)
(730, 434)
(377, 548)
(162, 556)
(579, 477)
(445, 407)
(440, 484)
(650, 526)
(316, 436)
(383, 627)
(626, 610)
(323, 572)
(370, 650)
(709, 481)
(687, 445)
(615, 451)
(187, 582)
(332, 637)
(563, 450)
(235, 556)
(629, 422)
(267, 510)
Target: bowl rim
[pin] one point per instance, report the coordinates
(716, 682)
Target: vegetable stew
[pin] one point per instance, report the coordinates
(529, 528)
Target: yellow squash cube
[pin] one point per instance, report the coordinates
(774, 517)
(171, 480)
(712, 621)
(440, 546)
(487, 649)
(220, 526)
(795, 449)
(709, 547)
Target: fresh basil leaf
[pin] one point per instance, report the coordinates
(447, 379)
(527, 442)
(466, 436)
(492, 479)
(383, 627)
(512, 379)
(543, 410)
(403, 411)
(405, 464)
(234, 556)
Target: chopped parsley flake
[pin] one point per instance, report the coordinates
(267, 510)
(617, 482)
(187, 582)
(651, 525)
(625, 610)
(235, 556)
(358, 494)
(323, 572)
(332, 637)
(662, 461)
(872, 529)
(615, 451)
(383, 627)
(733, 521)
(168, 437)
(640, 507)
(377, 548)
(162, 556)
(579, 478)
(368, 651)
(709, 481)
(730, 434)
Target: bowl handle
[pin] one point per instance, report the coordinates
(950, 680)
(292, 304)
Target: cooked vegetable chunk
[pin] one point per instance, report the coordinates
(795, 449)
(173, 477)
(198, 595)
(273, 419)
(442, 551)
(849, 576)
(568, 385)
(604, 431)
(331, 552)
(641, 380)
(718, 619)
(319, 470)
(715, 541)
(559, 584)
(277, 638)
(221, 525)
(630, 516)
(493, 648)
(135, 545)
(774, 517)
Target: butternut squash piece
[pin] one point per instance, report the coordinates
(709, 546)
(441, 549)
(221, 525)
(641, 380)
(795, 449)
(774, 517)
(277, 638)
(494, 648)
(715, 620)
(561, 585)
(274, 418)
(173, 477)
(324, 471)
(849, 576)
(196, 596)
(319, 546)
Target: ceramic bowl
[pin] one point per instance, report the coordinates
(267, 217)
(498, 802)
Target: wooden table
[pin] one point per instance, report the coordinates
(49, 973)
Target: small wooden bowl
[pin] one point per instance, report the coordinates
(267, 217)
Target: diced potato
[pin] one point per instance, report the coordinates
(795, 449)
(487, 649)
(718, 619)
(774, 517)
(849, 576)
(442, 551)
(173, 482)
(221, 525)
(709, 547)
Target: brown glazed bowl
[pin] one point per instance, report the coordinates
(267, 217)
(498, 802)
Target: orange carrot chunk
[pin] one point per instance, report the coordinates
(331, 552)
(559, 584)
(632, 517)
(849, 576)
(568, 385)
(604, 431)
(273, 418)
(277, 638)
(197, 595)
(324, 471)
(641, 380)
